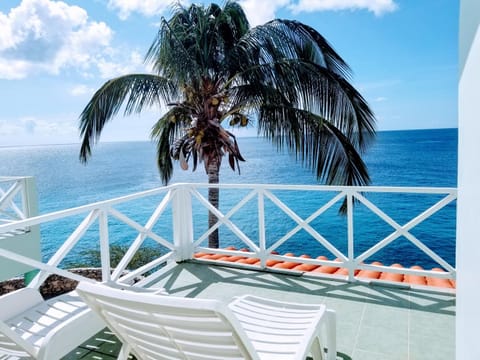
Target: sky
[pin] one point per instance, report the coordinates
(55, 54)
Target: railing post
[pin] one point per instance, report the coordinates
(182, 223)
(104, 245)
(261, 227)
(351, 255)
(29, 197)
(29, 209)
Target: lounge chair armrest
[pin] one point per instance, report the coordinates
(18, 301)
(71, 333)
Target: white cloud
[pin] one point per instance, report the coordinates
(13, 69)
(9, 129)
(49, 36)
(380, 99)
(378, 7)
(259, 12)
(109, 69)
(147, 8)
(80, 90)
(38, 127)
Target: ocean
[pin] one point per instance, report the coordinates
(413, 158)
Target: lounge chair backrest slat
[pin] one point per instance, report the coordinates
(167, 327)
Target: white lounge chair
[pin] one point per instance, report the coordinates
(46, 330)
(167, 327)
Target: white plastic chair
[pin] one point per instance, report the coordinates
(46, 330)
(293, 329)
(167, 327)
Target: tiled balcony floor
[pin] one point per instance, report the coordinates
(373, 322)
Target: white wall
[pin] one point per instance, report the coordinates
(468, 206)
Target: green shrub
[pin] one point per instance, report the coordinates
(92, 258)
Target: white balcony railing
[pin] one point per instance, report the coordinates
(260, 221)
(18, 201)
(14, 199)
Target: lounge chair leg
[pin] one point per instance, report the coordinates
(124, 352)
(331, 335)
(316, 349)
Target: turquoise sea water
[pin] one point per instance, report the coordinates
(398, 158)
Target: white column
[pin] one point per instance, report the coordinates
(350, 237)
(182, 223)
(468, 206)
(30, 209)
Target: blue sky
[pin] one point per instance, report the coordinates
(55, 54)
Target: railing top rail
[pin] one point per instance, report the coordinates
(388, 189)
(108, 203)
(12, 178)
(82, 209)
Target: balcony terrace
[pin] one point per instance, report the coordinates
(376, 318)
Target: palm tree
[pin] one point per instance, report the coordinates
(210, 69)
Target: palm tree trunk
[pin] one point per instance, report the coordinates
(213, 197)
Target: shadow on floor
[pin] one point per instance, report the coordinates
(203, 276)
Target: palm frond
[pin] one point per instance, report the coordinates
(170, 53)
(165, 132)
(311, 87)
(308, 38)
(138, 90)
(319, 144)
